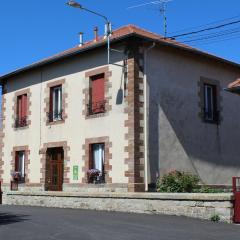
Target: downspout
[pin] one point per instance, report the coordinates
(146, 108)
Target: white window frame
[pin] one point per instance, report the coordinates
(57, 108)
(208, 87)
(21, 163)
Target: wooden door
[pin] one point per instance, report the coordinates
(56, 169)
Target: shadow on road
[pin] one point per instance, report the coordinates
(8, 218)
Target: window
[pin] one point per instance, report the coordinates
(97, 159)
(97, 95)
(20, 164)
(210, 103)
(21, 118)
(55, 113)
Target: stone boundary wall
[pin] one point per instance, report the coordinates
(202, 206)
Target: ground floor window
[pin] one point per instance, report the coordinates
(96, 166)
(20, 165)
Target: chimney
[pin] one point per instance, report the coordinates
(80, 39)
(95, 34)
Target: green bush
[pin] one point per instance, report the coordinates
(215, 218)
(176, 181)
(205, 189)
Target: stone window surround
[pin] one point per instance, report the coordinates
(26, 160)
(66, 168)
(61, 82)
(86, 93)
(107, 157)
(29, 103)
(202, 81)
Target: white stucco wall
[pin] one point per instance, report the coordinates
(76, 128)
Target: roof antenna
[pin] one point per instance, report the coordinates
(163, 10)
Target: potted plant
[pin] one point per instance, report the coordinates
(93, 175)
(16, 176)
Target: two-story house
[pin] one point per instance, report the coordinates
(72, 122)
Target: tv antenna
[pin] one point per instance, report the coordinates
(163, 10)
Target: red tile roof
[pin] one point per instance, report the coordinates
(118, 34)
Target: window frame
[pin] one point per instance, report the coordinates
(204, 84)
(100, 106)
(21, 118)
(23, 165)
(56, 113)
(210, 102)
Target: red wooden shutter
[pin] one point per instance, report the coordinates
(24, 106)
(98, 93)
(16, 162)
(19, 106)
(90, 156)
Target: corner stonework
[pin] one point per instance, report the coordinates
(135, 124)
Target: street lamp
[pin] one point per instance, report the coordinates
(108, 29)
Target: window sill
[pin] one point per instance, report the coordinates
(56, 122)
(21, 128)
(211, 122)
(96, 115)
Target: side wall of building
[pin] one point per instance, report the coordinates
(178, 138)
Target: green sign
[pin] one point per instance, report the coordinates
(75, 172)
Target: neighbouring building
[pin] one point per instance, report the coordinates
(159, 106)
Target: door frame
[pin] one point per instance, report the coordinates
(59, 164)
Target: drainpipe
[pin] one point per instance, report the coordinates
(146, 107)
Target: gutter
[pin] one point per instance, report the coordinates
(146, 117)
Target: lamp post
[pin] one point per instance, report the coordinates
(108, 30)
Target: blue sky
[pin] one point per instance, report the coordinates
(31, 30)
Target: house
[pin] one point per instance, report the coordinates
(72, 122)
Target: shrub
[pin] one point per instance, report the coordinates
(176, 181)
(215, 218)
(205, 189)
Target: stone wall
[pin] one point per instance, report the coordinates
(202, 206)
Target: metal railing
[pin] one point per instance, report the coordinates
(55, 116)
(21, 122)
(96, 107)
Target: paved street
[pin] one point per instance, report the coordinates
(48, 223)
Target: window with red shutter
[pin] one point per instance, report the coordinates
(21, 118)
(97, 94)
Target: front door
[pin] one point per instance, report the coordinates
(56, 156)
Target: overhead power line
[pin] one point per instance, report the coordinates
(206, 29)
(205, 25)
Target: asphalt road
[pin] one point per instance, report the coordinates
(24, 223)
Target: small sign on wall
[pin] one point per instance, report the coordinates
(75, 172)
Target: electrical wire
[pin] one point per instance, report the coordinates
(216, 41)
(205, 25)
(206, 29)
(215, 35)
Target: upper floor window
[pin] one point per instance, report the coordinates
(211, 113)
(21, 114)
(55, 108)
(97, 102)
(20, 165)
